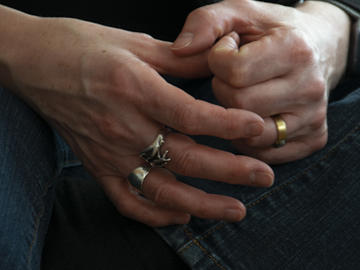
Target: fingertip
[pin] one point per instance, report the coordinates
(254, 128)
(254, 124)
(262, 178)
(182, 219)
(230, 42)
(182, 41)
(236, 213)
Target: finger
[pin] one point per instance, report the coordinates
(294, 149)
(191, 159)
(163, 60)
(202, 27)
(304, 123)
(252, 63)
(163, 189)
(268, 98)
(130, 204)
(173, 107)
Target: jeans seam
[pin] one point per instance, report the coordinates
(197, 240)
(37, 225)
(203, 249)
(207, 234)
(284, 185)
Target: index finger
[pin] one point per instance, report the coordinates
(175, 108)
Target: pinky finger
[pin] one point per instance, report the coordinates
(132, 205)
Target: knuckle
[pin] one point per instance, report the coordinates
(301, 51)
(144, 37)
(185, 118)
(161, 194)
(319, 119)
(317, 89)
(186, 161)
(206, 14)
(320, 142)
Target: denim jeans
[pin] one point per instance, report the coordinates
(309, 219)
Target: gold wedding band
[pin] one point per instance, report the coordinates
(281, 131)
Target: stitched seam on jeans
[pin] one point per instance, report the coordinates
(203, 249)
(208, 233)
(37, 225)
(281, 187)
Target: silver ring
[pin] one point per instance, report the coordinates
(152, 154)
(137, 177)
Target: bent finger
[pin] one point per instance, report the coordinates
(265, 99)
(252, 63)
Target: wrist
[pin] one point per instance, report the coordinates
(14, 30)
(352, 9)
(333, 33)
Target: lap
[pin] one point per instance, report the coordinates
(300, 222)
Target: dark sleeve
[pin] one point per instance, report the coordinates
(355, 4)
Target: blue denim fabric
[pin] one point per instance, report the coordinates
(308, 220)
(29, 168)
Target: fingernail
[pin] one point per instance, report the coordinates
(221, 48)
(262, 179)
(183, 40)
(182, 219)
(254, 129)
(234, 214)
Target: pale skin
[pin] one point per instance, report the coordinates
(273, 60)
(100, 87)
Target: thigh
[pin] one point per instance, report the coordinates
(309, 219)
(27, 168)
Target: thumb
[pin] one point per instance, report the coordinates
(202, 28)
(223, 54)
(158, 54)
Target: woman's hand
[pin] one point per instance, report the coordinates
(100, 87)
(273, 60)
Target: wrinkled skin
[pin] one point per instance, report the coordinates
(272, 60)
(101, 89)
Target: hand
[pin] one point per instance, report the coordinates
(273, 60)
(101, 88)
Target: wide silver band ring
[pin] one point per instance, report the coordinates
(137, 177)
(152, 154)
